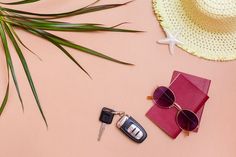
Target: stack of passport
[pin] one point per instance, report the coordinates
(190, 92)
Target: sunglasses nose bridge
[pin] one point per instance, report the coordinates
(177, 106)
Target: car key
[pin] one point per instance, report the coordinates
(130, 127)
(106, 117)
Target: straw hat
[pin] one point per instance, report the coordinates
(207, 28)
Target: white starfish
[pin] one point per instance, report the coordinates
(171, 41)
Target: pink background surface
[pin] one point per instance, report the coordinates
(72, 102)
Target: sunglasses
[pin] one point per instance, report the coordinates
(164, 97)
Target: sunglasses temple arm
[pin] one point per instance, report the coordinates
(186, 133)
(149, 97)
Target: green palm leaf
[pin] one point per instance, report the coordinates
(68, 43)
(84, 10)
(26, 69)
(61, 48)
(20, 2)
(40, 25)
(9, 62)
(20, 41)
(65, 26)
(4, 102)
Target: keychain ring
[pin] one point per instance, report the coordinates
(119, 113)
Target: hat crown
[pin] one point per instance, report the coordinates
(212, 15)
(217, 8)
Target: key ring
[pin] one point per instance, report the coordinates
(119, 113)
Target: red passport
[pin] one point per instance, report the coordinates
(202, 83)
(189, 95)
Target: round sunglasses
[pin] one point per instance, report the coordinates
(165, 98)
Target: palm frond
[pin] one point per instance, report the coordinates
(9, 61)
(19, 2)
(4, 102)
(21, 42)
(5, 99)
(83, 10)
(26, 69)
(42, 26)
(70, 44)
(61, 48)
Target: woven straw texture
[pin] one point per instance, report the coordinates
(207, 28)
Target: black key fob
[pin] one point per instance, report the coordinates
(130, 127)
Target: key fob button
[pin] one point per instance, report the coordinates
(131, 128)
(139, 135)
(135, 131)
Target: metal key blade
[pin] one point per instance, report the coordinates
(101, 130)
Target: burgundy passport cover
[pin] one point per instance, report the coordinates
(190, 92)
(202, 83)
